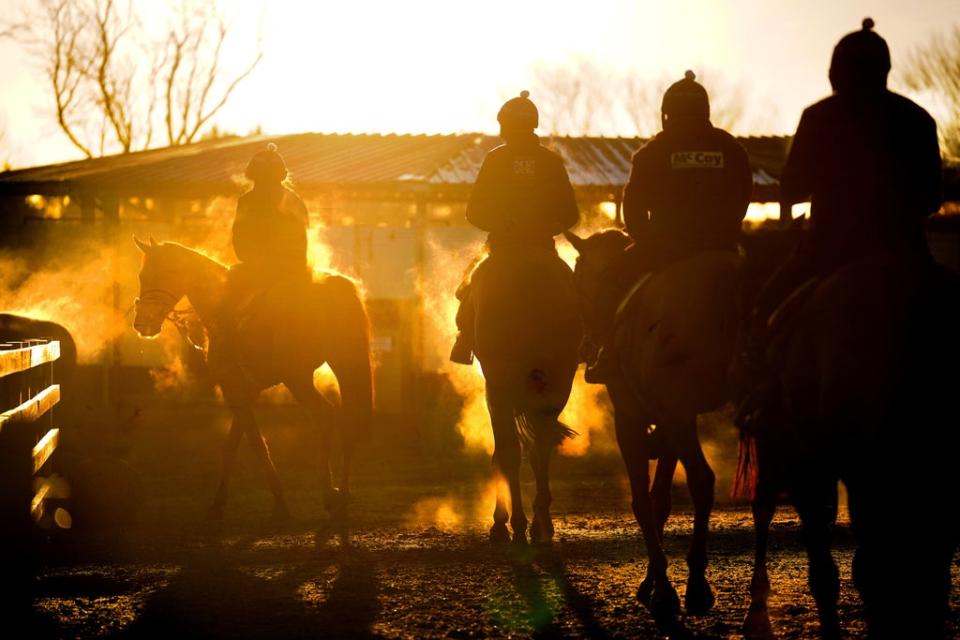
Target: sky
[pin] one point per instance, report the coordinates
(427, 66)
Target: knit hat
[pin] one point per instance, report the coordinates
(686, 99)
(860, 60)
(267, 166)
(519, 113)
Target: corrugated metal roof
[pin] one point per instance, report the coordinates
(319, 161)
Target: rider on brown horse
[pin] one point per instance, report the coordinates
(869, 161)
(269, 238)
(688, 191)
(522, 197)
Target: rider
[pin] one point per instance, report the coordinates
(522, 197)
(869, 161)
(688, 191)
(269, 235)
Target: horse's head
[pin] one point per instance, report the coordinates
(162, 285)
(597, 253)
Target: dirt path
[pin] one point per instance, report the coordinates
(418, 564)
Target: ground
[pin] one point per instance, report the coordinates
(417, 564)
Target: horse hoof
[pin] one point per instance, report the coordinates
(664, 602)
(645, 591)
(756, 624)
(699, 598)
(541, 534)
(520, 538)
(499, 534)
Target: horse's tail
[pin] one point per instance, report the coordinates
(352, 363)
(746, 477)
(542, 427)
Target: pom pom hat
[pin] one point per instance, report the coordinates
(861, 60)
(519, 114)
(686, 99)
(267, 165)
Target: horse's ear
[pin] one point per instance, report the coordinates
(575, 240)
(143, 246)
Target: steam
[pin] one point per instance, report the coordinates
(70, 289)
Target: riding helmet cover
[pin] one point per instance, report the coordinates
(519, 114)
(860, 60)
(686, 99)
(267, 165)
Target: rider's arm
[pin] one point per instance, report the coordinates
(744, 181)
(481, 207)
(636, 203)
(930, 169)
(564, 206)
(796, 183)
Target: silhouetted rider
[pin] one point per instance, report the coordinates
(522, 196)
(269, 234)
(868, 160)
(688, 191)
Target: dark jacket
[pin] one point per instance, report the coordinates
(270, 229)
(522, 192)
(870, 165)
(688, 189)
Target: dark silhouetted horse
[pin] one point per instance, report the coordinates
(297, 329)
(867, 371)
(673, 340)
(528, 332)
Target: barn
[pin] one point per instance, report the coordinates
(387, 209)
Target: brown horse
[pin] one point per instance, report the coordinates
(528, 334)
(323, 321)
(673, 342)
(867, 376)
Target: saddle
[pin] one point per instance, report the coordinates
(257, 311)
(675, 332)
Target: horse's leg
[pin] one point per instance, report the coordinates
(660, 495)
(229, 460)
(682, 439)
(816, 508)
(321, 413)
(242, 405)
(506, 460)
(541, 531)
(663, 599)
(662, 488)
(764, 507)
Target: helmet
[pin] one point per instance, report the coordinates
(267, 166)
(861, 60)
(519, 113)
(686, 99)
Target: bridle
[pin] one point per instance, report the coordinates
(179, 318)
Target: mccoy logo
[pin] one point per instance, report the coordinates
(696, 160)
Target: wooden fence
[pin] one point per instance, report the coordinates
(28, 442)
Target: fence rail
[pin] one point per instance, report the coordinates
(28, 437)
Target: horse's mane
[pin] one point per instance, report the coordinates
(184, 254)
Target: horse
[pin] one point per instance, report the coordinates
(673, 342)
(857, 356)
(323, 321)
(528, 332)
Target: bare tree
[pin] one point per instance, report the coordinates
(934, 69)
(583, 98)
(641, 101)
(105, 97)
(572, 97)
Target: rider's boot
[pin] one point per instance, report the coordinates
(462, 352)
